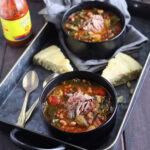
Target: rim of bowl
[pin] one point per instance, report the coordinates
(84, 3)
(78, 133)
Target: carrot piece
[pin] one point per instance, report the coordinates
(53, 100)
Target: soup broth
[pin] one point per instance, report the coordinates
(78, 106)
(93, 25)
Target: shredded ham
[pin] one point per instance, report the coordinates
(94, 24)
(79, 102)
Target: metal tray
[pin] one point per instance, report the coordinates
(12, 94)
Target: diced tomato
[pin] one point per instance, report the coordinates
(53, 100)
(100, 91)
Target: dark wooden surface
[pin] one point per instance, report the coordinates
(137, 133)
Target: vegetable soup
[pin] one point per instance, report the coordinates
(78, 106)
(93, 25)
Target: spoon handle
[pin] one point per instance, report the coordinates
(21, 118)
(29, 112)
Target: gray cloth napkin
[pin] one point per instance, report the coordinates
(133, 39)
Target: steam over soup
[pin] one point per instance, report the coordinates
(78, 106)
(93, 25)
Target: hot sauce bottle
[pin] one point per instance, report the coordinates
(16, 21)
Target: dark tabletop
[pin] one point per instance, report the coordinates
(137, 133)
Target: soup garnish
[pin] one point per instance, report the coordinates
(93, 25)
(78, 106)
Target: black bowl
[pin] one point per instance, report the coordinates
(90, 77)
(86, 50)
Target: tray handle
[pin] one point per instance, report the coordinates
(33, 142)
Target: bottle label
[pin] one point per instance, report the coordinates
(17, 30)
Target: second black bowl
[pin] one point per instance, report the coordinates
(97, 50)
(89, 77)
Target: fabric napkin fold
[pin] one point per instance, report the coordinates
(134, 39)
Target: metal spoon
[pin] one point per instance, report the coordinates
(29, 112)
(30, 83)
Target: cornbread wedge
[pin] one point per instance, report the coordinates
(52, 58)
(121, 69)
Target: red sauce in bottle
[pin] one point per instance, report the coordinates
(16, 21)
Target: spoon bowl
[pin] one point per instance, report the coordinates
(30, 81)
